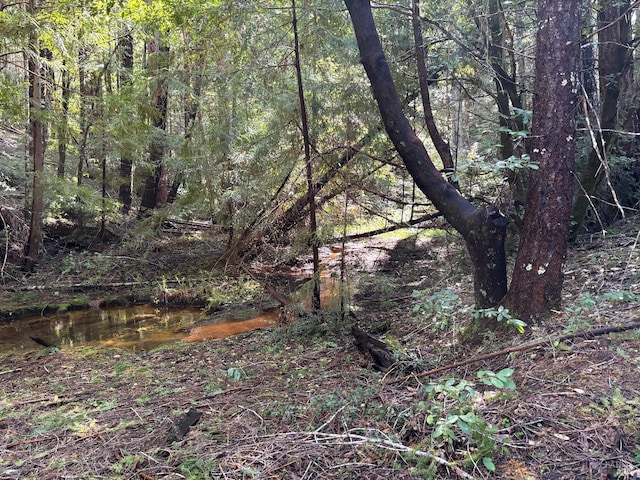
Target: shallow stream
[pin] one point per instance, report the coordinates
(148, 326)
(139, 328)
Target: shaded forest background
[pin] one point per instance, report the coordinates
(193, 152)
(117, 116)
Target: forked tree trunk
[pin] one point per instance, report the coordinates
(483, 229)
(537, 279)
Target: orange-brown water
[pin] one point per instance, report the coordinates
(139, 327)
(143, 327)
(226, 329)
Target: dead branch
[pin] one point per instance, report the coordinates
(42, 342)
(595, 332)
(390, 228)
(85, 286)
(354, 439)
(280, 297)
(379, 351)
(10, 371)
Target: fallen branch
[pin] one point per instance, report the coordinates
(356, 439)
(280, 297)
(24, 442)
(527, 346)
(379, 351)
(44, 343)
(86, 286)
(390, 228)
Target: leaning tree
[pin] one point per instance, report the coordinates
(545, 230)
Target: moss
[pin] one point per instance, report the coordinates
(77, 303)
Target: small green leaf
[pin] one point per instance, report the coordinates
(496, 382)
(488, 464)
(464, 427)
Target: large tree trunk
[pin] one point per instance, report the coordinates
(156, 188)
(537, 280)
(482, 229)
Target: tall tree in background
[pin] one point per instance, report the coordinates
(615, 58)
(536, 286)
(313, 226)
(63, 126)
(126, 162)
(86, 110)
(156, 189)
(37, 145)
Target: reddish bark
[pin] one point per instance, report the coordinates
(537, 280)
(37, 146)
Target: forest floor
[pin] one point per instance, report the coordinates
(299, 400)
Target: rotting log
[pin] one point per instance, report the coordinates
(382, 357)
(42, 342)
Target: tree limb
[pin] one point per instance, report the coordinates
(595, 332)
(350, 438)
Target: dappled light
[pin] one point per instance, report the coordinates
(320, 240)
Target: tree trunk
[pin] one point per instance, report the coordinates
(156, 187)
(313, 227)
(503, 63)
(37, 147)
(63, 128)
(614, 38)
(537, 280)
(483, 229)
(126, 164)
(442, 147)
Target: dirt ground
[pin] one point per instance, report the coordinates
(300, 401)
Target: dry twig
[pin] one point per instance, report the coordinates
(527, 346)
(354, 439)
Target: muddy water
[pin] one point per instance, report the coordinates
(226, 329)
(137, 328)
(141, 327)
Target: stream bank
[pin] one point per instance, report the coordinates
(299, 400)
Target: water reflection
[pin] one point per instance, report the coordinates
(146, 327)
(140, 327)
